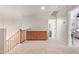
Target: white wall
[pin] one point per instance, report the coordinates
(62, 30)
(14, 24)
(1, 22)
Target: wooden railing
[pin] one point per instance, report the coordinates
(20, 36)
(16, 39)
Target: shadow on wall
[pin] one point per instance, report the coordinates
(2, 40)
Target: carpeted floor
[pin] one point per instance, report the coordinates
(43, 47)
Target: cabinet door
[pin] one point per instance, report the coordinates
(36, 35)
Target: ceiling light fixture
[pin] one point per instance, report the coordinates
(42, 8)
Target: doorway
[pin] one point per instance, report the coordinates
(73, 32)
(52, 28)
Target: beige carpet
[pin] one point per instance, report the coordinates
(43, 47)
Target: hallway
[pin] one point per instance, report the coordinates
(43, 47)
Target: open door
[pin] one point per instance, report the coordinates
(52, 28)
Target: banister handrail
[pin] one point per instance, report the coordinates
(14, 34)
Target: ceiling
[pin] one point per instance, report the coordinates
(34, 10)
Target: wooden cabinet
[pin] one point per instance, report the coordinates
(36, 35)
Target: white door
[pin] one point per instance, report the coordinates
(52, 28)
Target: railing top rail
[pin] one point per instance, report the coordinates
(15, 34)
